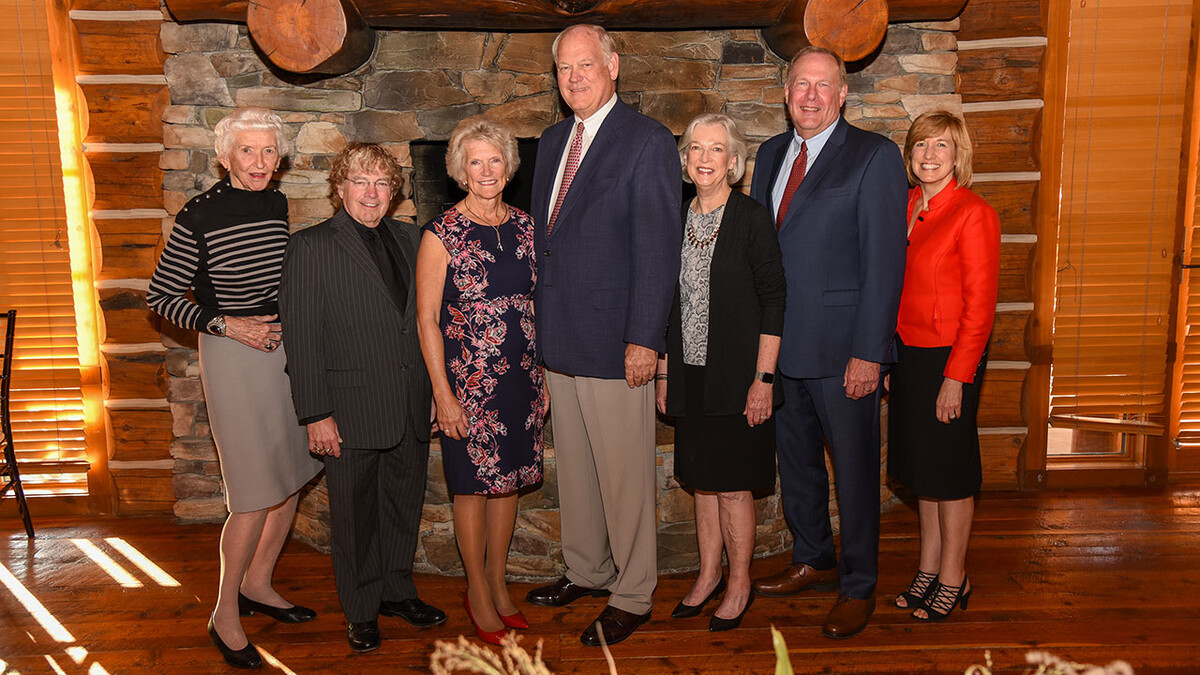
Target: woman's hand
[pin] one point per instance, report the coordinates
(260, 332)
(949, 401)
(451, 418)
(660, 394)
(758, 403)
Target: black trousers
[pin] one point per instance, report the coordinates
(375, 499)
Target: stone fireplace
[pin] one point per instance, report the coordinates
(415, 88)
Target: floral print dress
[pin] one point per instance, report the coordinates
(488, 334)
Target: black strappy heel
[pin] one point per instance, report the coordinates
(944, 600)
(918, 589)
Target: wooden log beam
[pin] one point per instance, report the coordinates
(850, 27)
(311, 36)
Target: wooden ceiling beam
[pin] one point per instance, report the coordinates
(336, 36)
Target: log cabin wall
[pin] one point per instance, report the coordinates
(417, 86)
(1001, 49)
(119, 69)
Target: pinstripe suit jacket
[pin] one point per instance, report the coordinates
(351, 352)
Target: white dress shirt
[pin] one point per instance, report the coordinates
(815, 145)
(591, 126)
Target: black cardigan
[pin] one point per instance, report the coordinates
(746, 299)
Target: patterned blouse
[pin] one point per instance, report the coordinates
(695, 258)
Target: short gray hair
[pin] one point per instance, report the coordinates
(249, 119)
(480, 128)
(607, 46)
(737, 144)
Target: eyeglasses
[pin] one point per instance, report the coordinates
(362, 184)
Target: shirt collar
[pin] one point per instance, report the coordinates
(591, 126)
(945, 195)
(816, 143)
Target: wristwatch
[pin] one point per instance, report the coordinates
(765, 378)
(216, 326)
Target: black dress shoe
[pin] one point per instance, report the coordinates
(617, 625)
(562, 592)
(717, 624)
(293, 614)
(414, 611)
(685, 611)
(363, 637)
(246, 657)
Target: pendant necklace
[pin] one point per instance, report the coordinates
(485, 223)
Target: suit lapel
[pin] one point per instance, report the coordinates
(608, 133)
(408, 247)
(555, 139)
(351, 241)
(828, 158)
(774, 162)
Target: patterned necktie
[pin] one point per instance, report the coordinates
(568, 174)
(794, 180)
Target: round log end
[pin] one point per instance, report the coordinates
(852, 28)
(311, 36)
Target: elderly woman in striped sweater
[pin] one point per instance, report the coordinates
(226, 248)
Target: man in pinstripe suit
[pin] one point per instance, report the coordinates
(359, 384)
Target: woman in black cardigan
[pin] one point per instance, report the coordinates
(718, 378)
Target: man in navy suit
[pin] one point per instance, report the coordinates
(606, 195)
(839, 198)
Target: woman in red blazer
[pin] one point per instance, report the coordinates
(946, 311)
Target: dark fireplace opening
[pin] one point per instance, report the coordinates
(434, 190)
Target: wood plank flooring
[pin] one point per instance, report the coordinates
(1092, 576)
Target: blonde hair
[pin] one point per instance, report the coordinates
(937, 122)
(480, 128)
(737, 144)
(248, 119)
(365, 157)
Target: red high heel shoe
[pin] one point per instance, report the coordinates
(517, 620)
(490, 637)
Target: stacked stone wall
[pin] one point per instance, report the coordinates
(417, 86)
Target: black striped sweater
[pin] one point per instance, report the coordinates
(227, 248)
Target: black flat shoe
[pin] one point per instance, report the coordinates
(246, 657)
(685, 611)
(716, 624)
(293, 614)
(363, 637)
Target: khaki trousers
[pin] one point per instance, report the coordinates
(604, 448)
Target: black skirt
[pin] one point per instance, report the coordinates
(721, 453)
(933, 460)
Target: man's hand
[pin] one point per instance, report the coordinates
(640, 364)
(323, 438)
(861, 378)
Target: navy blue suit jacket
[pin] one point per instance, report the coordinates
(843, 245)
(607, 273)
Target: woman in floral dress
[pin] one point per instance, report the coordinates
(475, 276)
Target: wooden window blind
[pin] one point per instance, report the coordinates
(47, 402)
(1126, 91)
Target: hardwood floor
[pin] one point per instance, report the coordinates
(1091, 576)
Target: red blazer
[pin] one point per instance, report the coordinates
(950, 277)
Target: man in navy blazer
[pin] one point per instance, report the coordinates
(606, 195)
(839, 197)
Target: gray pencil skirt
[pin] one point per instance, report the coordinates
(262, 448)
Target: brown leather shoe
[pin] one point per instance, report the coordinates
(562, 592)
(848, 616)
(617, 625)
(795, 578)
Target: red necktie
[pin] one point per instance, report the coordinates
(794, 180)
(568, 174)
